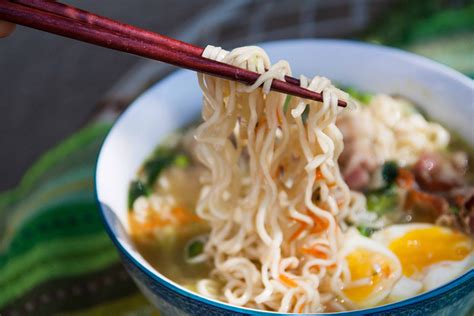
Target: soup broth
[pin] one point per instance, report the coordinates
(403, 193)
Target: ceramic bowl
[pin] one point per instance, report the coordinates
(175, 101)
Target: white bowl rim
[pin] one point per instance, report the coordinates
(164, 281)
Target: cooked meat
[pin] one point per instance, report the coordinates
(358, 178)
(438, 172)
(463, 199)
(424, 206)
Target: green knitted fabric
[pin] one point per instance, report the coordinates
(54, 252)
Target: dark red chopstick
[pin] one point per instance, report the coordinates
(84, 26)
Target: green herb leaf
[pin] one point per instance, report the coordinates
(136, 189)
(161, 159)
(389, 172)
(454, 209)
(287, 103)
(181, 161)
(382, 201)
(366, 231)
(304, 115)
(194, 248)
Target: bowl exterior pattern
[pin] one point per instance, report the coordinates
(170, 302)
(457, 301)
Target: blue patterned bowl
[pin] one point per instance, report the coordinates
(175, 101)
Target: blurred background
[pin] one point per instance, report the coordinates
(59, 97)
(51, 86)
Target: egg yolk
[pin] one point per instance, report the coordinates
(368, 268)
(421, 248)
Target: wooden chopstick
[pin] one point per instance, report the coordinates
(81, 25)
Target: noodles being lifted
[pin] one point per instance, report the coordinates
(274, 194)
(257, 207)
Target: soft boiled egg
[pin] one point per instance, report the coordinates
(368, 273)
(429, 255)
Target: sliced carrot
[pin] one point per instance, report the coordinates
(183, 217)
(287, 281)
(320, 223)
(405, 179)
(314, 252)
(322, 245)
(298, 232)
(146, 228)
(319, 174)
(300, 310)
(155, 220)
(314, 269)
(299, 221)
(280, 120)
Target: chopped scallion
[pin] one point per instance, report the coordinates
(287, 103)
(366, 231)
(454, 209)
(389, 172)
(305, 114)
(194, 248)
(181, 160)
(382, 201)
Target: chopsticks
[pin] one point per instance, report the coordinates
(71, 22)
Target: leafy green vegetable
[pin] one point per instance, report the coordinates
(181, 160)
(161, 159)
(385, 199)
(136, 189)
(454, 209)
(194, 248)
(389, 172)
(382, 201)
(287, 103)
(366, 231)
(363, 97)
(304, 115)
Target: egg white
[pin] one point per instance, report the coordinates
(405, 288)
(443, 272)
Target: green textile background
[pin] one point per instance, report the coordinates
(55, 257)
